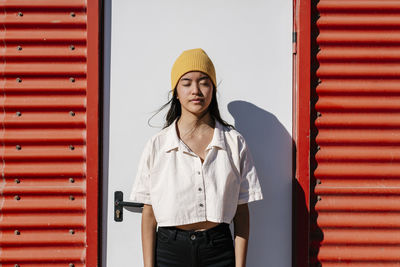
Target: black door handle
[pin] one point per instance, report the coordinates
(119, 204)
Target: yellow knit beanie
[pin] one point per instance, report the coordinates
(192, 60)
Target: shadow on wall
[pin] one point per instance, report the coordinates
(271, 218)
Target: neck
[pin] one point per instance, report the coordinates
(189, 120)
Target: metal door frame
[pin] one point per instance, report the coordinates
(93, 131)
(301, 131)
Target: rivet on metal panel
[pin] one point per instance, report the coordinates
(20, 14)
(71, 197)
(71, 147)
(18, 147)
(319, 81)
(19, 80)
(17, 181)
(17, 197)
(72, 47)
(72, 14)
(71, 180)
(71, 231)
(19, 48)
(319, 198)
(16, 265)
(318, 147)
(318, 48)
(18, 113)
(72, 113)
(319, 114)
(318, 181)
(16, 232)
(72, 79)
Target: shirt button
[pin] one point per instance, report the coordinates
(201, 205)
(193, 237)
(199, 188)
(198, 173)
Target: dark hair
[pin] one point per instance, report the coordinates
(175, 109)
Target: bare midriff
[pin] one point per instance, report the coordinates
(200, 226)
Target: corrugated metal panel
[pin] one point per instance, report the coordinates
(45, 133)
(357, 176)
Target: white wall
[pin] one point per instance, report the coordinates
(250, 45)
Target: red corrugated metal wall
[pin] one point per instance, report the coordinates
(356, 215)
(49, 133)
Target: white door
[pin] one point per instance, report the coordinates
(250, 44)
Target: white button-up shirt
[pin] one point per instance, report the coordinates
(183, 190)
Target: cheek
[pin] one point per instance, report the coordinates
(180, 93)
(182, 96)
(210, 95)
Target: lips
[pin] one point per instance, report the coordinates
(196, 100)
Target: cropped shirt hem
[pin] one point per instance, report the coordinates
(252, 196)
(175, 222)
(139, 198)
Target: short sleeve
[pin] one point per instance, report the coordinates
(141, 187)
(250, 189)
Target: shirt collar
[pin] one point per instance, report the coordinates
(173, 141)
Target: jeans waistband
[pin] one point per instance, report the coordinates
(177, 233)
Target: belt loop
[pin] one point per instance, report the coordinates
(174, 234)
(208, 237)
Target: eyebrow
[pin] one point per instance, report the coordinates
(201, 78)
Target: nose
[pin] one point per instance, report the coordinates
(196, 89)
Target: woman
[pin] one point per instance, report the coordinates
(195, 177)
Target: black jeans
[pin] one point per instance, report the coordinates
(209, 248)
